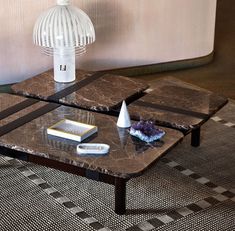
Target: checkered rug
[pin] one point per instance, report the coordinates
(189, 189)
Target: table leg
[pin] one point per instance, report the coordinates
(120, 196)
(195, 137)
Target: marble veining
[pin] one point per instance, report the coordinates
(102, 94)
(21, 113)
(128, 157)
(7, 100)
(174, 93)
(106, 93)
(43, 85)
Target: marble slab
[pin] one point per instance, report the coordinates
(106, 93)
(173, 103)
(102, 94)
(6, 101)
(128, 156)
(43, 85)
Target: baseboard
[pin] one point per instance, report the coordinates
(5, 88)
(162, 67)
(149, 69)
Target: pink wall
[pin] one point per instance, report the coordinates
(129, 33)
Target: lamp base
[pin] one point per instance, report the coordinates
(64, 65)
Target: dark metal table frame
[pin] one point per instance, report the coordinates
(195, 137)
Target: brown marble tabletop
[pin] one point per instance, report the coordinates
(102, 93)
(128, 156)
(8, 101)
(173, 103)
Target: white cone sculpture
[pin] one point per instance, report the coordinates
(123, 136)
(124, 118)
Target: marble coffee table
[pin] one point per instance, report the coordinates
(23, 135)
(176, 104)
(168, 102)
(97, 91)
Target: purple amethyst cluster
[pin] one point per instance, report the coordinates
(146, 131)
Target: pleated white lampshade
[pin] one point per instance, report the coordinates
(63, 31)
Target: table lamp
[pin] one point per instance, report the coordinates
(63, 31)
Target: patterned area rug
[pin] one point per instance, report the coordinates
(189, 189)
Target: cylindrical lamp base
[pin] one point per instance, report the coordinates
(64, 65)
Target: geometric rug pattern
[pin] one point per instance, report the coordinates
(188, 189)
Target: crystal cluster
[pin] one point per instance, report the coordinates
(146, 131)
